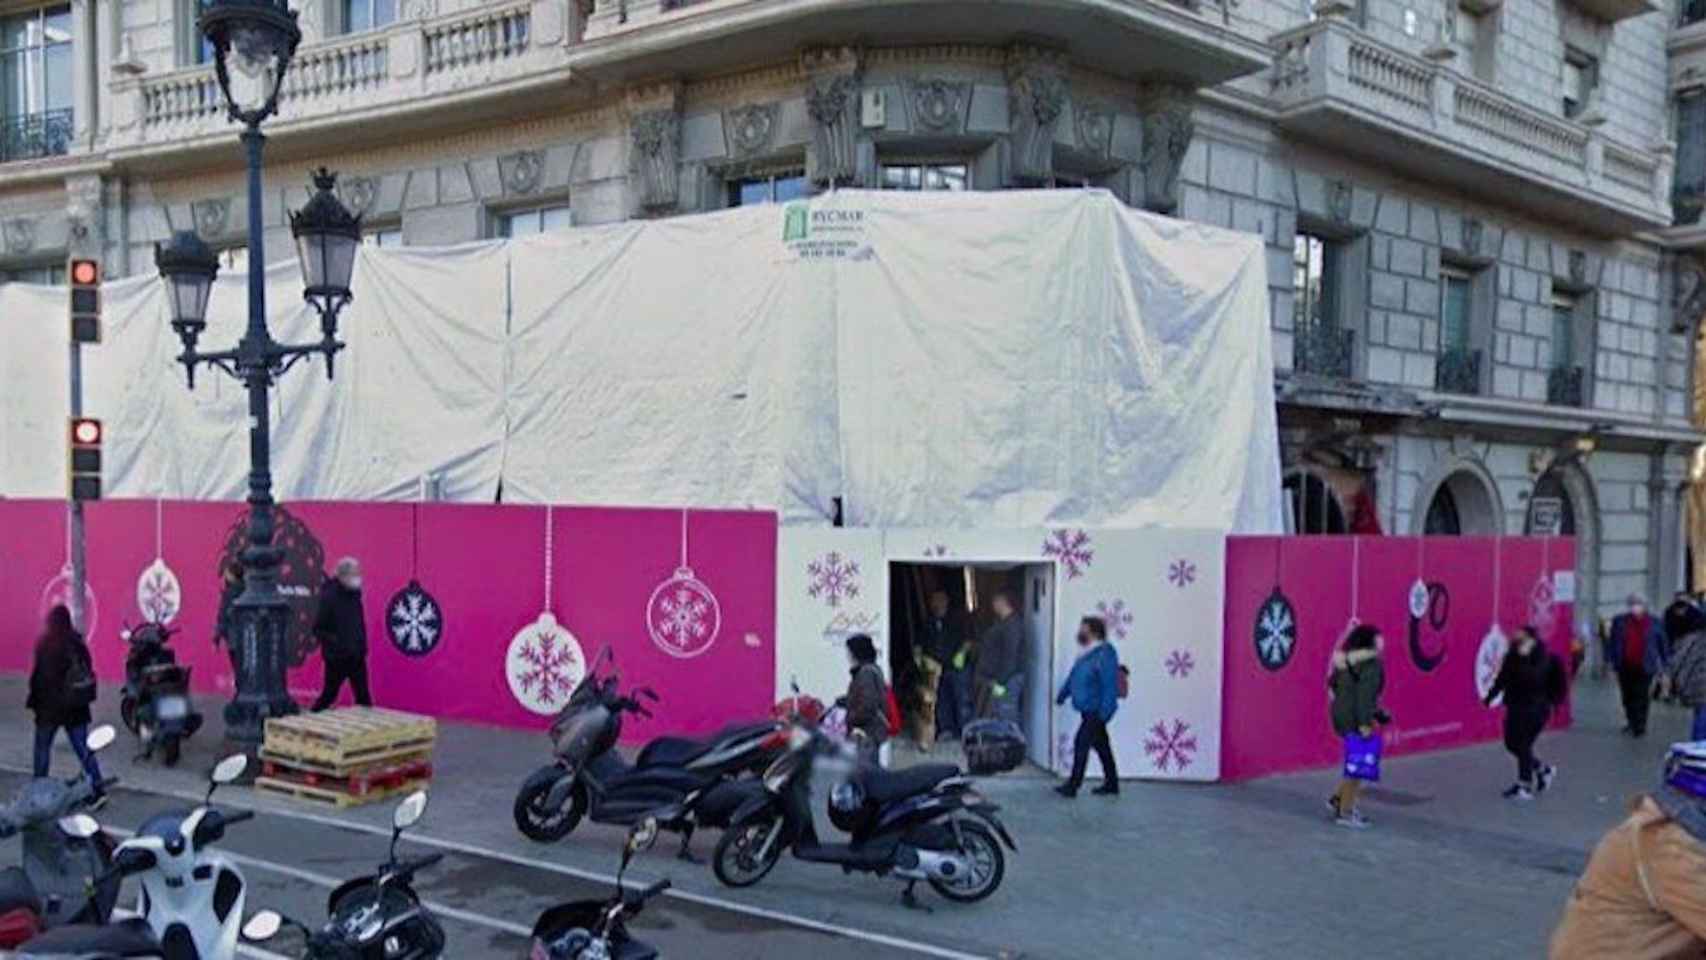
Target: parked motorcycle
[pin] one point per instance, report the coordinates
(598, 929)
(589, 778)
(923, 823)
(155, 702)
(51, 887)
(130, 938)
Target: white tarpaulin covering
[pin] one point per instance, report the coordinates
(946, 360)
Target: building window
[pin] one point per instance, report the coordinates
(35, 83)
(359, 15)
(1564, 378)
(779, 188)
(388, 237)
(52, 275)
(925, 176)
(1581, 77)
(234, 260)
(1314, 505)
(1457, 368)
(523, 223)
(1693, 11)
(1067, 181)
(1322, 345)
(1688, 192)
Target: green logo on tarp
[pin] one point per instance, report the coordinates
(793, 222)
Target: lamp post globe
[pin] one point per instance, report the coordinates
(327, 236)
(253, 41)
(188, 268)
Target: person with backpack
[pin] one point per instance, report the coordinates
(1687, 675)
(1094, 689)
(62, 688)
(1531, 678)
(868, 698)
(1356, 682)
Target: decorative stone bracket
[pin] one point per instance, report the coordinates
(832, 101)
(1688, 293)
(1167, 131)
(657, 158)
(1036, 94)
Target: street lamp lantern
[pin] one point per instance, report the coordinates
(188, 267)
(253, 41)
(327, 236)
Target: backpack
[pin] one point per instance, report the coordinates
(1122, 683)
(79, 677)
(891, 710)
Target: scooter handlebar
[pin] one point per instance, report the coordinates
(654, 889)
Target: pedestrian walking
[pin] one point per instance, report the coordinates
(1000, 672)
(1357, 680)
(1093, 687)
(341, 627)
(1687, 675)
(867, 698)
(225, 627)
(1531, 678)
(1635, 647)
(62, 688)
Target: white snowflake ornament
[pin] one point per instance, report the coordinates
(158, 594)
(683, 615)
(414, 620)
(1488, 659)
(1419, 599)
(544, 665)
(1275, 631)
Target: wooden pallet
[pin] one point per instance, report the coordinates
(360, 783)
(404, 753)
(330, 797)
(339, 740)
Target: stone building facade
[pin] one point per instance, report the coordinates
(1484, 288)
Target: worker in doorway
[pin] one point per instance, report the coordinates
(1000, 673)
(1635, 647)
(945, 641)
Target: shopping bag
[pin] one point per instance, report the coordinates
(1362, 756)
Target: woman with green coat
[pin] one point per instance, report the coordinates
(1356, 684)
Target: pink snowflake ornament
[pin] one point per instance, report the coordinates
(544, 665)
(1071, 549)
(832, 578)
(57, 592)
(1170, 747)
(158, 594)
(683, 615)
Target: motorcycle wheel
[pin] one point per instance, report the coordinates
(127, 712)
(541, 825)
(988, 866)
(736, 862)
(169, 749)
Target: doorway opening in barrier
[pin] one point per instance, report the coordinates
(971, 640)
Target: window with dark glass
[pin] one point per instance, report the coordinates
(1693, 11)
(776, 188)
(1563, 342)
(35, 83)
(1454, 311)
(1314, 278)
(1581, 77)
(52, 275)
(359, 15)
(1314, 506)
(1688, 192)
(384, 237)
(522, 223)
(925, 176)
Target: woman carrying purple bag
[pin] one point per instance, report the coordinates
(1356, 684)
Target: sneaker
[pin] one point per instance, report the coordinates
(1067, 790)
(1353, 820)
(1548, 773)
(1333, 805)
(1517, 791)
(98, 802)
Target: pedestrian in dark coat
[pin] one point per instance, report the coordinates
(1093, 686)
(1532, 682)
(1000, 671)
(1357, 680)
(944, 640)
(59, 650)
(867, 695)
(341, 627)
(1637, 649)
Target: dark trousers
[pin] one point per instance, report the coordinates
(1522, 729)
(953, 703)
(337, 671)
(79, 735)
(1636, 685)
(1092, 735)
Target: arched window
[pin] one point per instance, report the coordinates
(1314, 506)
(1442, 519)
(1462, 505)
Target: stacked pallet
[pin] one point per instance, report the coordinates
(346, 757)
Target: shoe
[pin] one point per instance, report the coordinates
(1066, 790)
(1517, 791)
(1333, 805)
(1107, 790)
(98, 802)
(1354, 821)
(1548, 773)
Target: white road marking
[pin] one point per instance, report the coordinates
(763, 913)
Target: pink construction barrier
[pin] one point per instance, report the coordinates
(1275, 704)
(699, 629)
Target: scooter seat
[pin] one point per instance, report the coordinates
(17, 892)
(127, 938)
(883, 786)
(679, 751)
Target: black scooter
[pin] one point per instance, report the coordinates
(598, 929)
(155, 703)
(588, 778)
(376, 917)
(924, 823)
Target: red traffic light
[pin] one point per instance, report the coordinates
(85, 432)
(85, 273)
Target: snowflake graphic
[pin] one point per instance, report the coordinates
(1182, 573)
(1170, 747)
(544, 665)
(415, 620)
(1180, 663)
(833, 578)
(1488, 659)
(683, 615)
(1115, 615)
(1276, 632)
(158, 594)
(1072, 549)
(1541, 601)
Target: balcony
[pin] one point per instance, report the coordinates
(1324, 350)
(1458, 371)
(1564, 387)
(35, 135)
(1335, 85)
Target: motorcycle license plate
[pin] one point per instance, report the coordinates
(172, 708)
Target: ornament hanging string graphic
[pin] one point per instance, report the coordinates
(159, 528)
(550, 547)
(545, 662)
(1356, 583)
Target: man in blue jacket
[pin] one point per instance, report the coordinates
(1636, 647)
(1093, 686)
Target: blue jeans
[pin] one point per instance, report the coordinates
(79, 742)
(953, 703)
(1699, 729)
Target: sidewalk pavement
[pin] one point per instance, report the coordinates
(1227, 871)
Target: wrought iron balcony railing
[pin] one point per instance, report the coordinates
(1458, 371)
(1324, 350)
(1564, 386)
(35, 135)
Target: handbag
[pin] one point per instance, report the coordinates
(1362, 756)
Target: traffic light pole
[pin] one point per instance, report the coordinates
(79, 562)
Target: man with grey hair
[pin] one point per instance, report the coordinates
(1636, 648)
(341, 628)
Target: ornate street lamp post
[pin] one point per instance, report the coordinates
(253, 41)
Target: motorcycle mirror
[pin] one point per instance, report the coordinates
(409, 812)
(79, 826)
(263, 926)
(101, 737)
(226, 771)
(644, 834)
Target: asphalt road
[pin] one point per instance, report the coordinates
(486, 904)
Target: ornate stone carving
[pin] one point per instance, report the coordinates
(521, 170)
(1036, 92)
(1688, 295)
(832, 101)
(1340, 200)
(1095, 127)
(937, 104)
(19, 236)
(417, 9)
(358, 193)
(211, 217)
(1167, 130)
(1472, 230)
(657, 151)
(1578, 268)
(750, 128)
